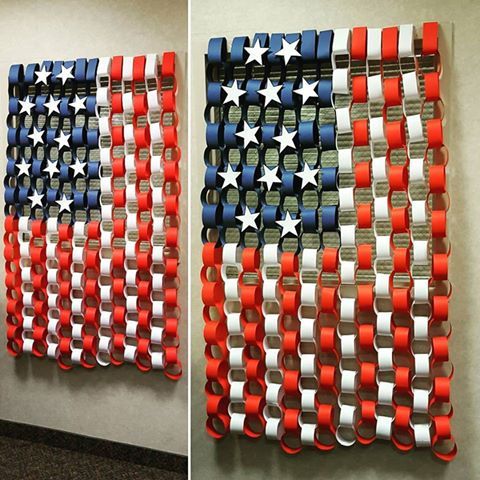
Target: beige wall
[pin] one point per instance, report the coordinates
(239, 458)
(119, 404)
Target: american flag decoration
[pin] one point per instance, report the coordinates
(91, 205)
(325, 259)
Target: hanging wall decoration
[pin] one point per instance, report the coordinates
(91, 228)
(325, 259)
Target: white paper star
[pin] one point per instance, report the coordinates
(289, 225)
(249, 134)
(308, 175)
(65, 74)
(62, 140)
(52, 168)
(288, 50)
(23, 168)
(36, 136)
(64, 204)
(42, 76)
(255, 53)
(248, 219)
(27, 106)
(78, 167)
(233, 93)
(285, 139)
(78, 104)
(307, 91)
(269, 177)
(229, 177)
(270, 92)
(36, 199)
(52, 105)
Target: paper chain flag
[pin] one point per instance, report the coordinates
(325, 259)
(92, 216)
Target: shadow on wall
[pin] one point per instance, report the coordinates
(46, 371)
(259, 458)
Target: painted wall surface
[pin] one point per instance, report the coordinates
(120, 404)
(239, 458)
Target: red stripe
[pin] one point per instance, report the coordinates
(13, 286)
(64, 250)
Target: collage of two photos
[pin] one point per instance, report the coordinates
(238, 240)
